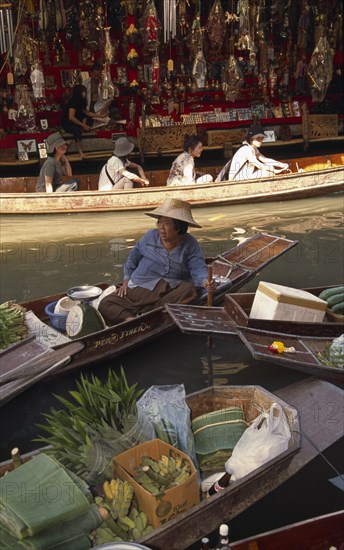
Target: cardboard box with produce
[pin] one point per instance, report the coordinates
(164, 478)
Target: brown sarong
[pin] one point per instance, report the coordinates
(116, 309)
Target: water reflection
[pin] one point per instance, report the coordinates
(79, 249)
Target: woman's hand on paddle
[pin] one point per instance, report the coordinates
(122, 291)
(209, 285)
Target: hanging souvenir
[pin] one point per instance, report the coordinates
(244, 20)
(60, 15)
(272, 81)
(109, 49)
(182, 17)
(37, 80)
(304, 27)
(26, 117)
(232, 79)
(130, 7)
(215, 26)
(156, 74)
(199, 70)
(133, 58)
(84, 25)
(320, 70)
(20, 64)
(132, 34)
(43, 18)
(196, 38)
(150, 27)
(107, 87)
(6, 29)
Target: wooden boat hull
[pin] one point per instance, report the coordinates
(306, 358)
(298, 402)
(322, 532)
(233, 268)
(308, 339)
(314, 181)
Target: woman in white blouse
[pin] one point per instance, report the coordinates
(114, 174)
(183, 168)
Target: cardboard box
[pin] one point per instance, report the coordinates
(288, 304)
(159, 509)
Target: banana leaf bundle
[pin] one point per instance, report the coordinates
(42, 506)
(69, 535)
(216, 434)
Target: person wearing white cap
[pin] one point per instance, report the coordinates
(165, 266)
(248, 162)
(56, 167)
(114, 174)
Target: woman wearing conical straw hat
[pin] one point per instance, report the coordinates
(165, 266)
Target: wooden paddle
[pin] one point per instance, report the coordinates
(209, 338)
(14, 388)
(35, 366)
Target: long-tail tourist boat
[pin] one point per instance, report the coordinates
(309, 177)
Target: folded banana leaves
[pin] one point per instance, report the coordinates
(41, 495)
(8, 542)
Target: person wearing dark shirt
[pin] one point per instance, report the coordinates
(74, 115)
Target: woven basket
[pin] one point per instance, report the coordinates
(57, 320)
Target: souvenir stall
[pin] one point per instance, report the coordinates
(211, 66)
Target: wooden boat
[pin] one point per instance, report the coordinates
(234, 315)
(321, 175)
(232, 269)
(322, 532)
(309, 339)
(297, 401)
(310, 353)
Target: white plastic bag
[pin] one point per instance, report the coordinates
(265, 438)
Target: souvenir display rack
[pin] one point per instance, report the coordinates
(213, 63)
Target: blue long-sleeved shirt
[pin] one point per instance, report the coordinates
(149, 262)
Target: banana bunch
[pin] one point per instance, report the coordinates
(158, 475)
(122, 520)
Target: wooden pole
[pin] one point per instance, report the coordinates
(209, 338)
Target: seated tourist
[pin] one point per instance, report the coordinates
(165, 266)
(248, 162)
(55, 167)
(74, 115)
(183, 168)
(115, 173)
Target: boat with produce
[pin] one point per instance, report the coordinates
(309, 177)
(310, 342)
(188, 526)
(325, 531)
(48, 348)
(321, 357)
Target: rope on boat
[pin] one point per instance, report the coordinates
(320, 452)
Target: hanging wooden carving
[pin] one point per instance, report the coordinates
(215, 27)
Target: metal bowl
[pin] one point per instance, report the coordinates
(84, 293)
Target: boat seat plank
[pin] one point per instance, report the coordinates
(191, 319)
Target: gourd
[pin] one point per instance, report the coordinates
(328, 292)
(334, 298)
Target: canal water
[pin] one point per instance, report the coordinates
(48, 254)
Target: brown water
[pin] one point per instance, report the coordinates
(46, 254)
